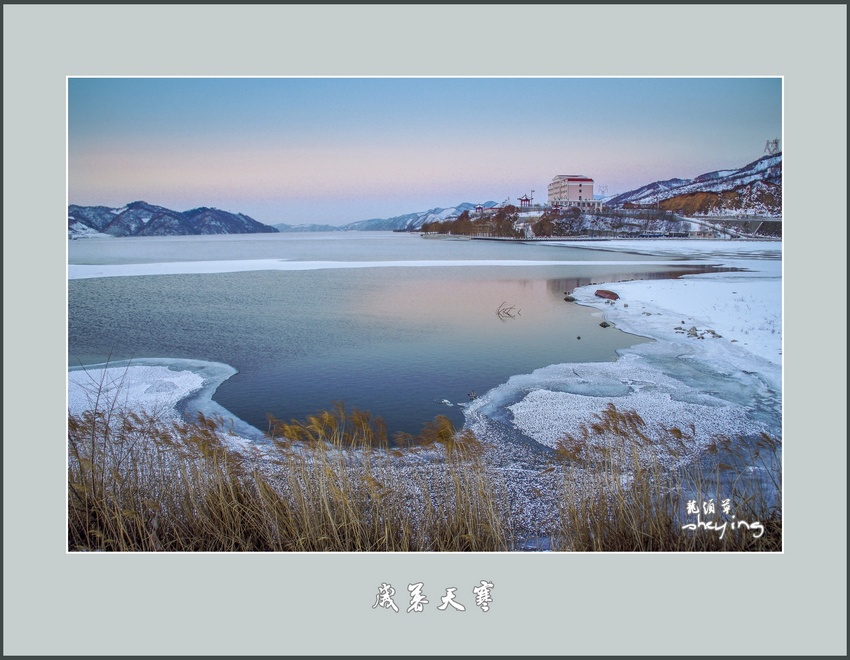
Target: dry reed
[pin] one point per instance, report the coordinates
(335, 483)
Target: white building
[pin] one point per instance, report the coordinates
(572, 190)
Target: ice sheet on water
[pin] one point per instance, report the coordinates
(559, 399)
(84, 271)
(690, 249)
(170, 388)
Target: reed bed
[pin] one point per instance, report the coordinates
(629, 488)
(143, 482)
(332, 484)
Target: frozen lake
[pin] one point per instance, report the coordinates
(391, 323)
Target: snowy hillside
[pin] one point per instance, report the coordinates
(755, 188)
(414, 221)
(283, 227)
(143, 219)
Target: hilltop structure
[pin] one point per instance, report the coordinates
(572, 190)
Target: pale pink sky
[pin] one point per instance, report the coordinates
(337, 150)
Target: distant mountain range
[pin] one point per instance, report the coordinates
(755, 188)
(143, 219)
(281, 227)
(406, 222)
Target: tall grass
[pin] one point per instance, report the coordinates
(332, 483)
(335, 483)
(627, 488)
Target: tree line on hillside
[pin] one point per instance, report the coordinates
(553, 222)
(502, 224)
(559, 222)
(565, 221)
(570, 221)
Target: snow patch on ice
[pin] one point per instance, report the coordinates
(170, 389)
(556, 400)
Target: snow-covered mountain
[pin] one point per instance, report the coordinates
(283, 227)
(143, 219)
(413, 221)
(755, 188)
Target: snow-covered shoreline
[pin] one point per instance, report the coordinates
(716, 362)
(719, 342)
(743, 307)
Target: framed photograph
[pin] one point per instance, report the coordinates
(392, 337)
(455, 377)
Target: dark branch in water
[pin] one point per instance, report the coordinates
(506, 312)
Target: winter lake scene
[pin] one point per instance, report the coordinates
(370, 319)
(291, 345)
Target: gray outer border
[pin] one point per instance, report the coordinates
(56, 603)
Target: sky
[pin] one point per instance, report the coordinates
(339, 150)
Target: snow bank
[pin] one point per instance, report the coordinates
(743, 307)
(721, 309)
